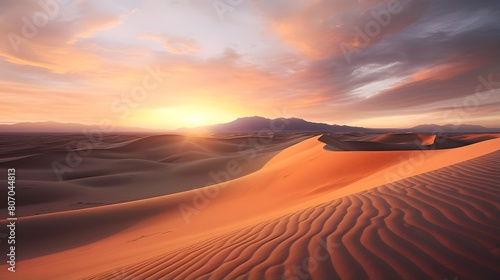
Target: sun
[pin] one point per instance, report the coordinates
(183, 116)
(195, 119)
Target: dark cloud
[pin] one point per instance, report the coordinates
(428, 53)
(441, 47)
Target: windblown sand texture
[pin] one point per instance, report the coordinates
(305, 207)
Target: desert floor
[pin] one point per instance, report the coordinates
(290, 206)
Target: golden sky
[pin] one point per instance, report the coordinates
(170, 63)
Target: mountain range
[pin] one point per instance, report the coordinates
(256, 124)
(246, 125)
(57, 127)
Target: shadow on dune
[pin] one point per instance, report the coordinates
(396, 142)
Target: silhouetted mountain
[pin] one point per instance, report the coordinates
(256, 124)
(55, 127)
(449, 128)
(245, 125)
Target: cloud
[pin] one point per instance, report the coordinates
(264, 56)
(173, 44)
(47, 35)
(435, 56)
(320, 29)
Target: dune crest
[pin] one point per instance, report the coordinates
(398, 142)
(399, 138)
(417, 228)
(265, 223)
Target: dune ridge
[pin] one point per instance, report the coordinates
(111, 171)
(287, 200)
(398, 142)
(396, 138)
(440, 224)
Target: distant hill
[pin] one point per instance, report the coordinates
(244, 125)
(56, 127)
(256, 124)
(449, 128)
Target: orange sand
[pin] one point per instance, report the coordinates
(305, 212)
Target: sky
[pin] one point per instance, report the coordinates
(170, 63)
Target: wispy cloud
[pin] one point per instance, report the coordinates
(264, 55)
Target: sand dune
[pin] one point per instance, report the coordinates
(438, 225)
(437, 219)
(399, 141)
(395, 138)
(117, 165)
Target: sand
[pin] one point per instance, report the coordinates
(297, 210)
